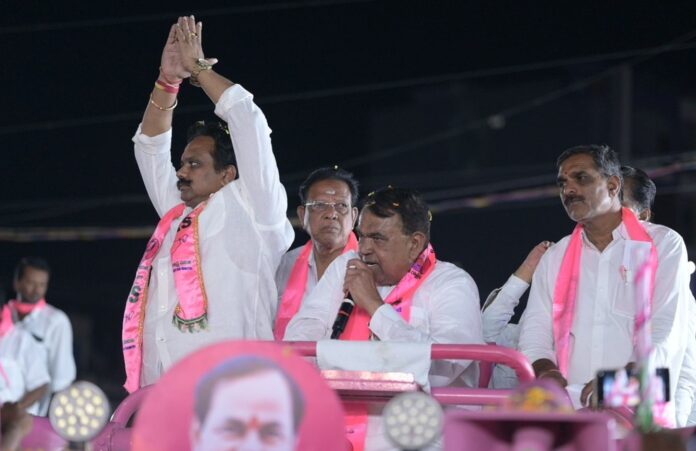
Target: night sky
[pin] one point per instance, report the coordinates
(457, 99)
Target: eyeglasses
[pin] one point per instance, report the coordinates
(318, 206)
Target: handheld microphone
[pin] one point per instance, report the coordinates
(342, 318)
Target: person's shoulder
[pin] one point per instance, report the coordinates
(449, 272)
(55, 315)
(659, 232)
(291, 256)
(558, 247)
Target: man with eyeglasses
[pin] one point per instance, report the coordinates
(207, 274)
(327, 210)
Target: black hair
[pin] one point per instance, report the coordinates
(223, 153)
(604, 157)
(330, 173)
(238, 367)
(407, 203)
(31, 262)
(642, 189)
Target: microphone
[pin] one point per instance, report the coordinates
(342, 318)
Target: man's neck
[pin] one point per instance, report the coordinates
(599, 230)
(324, 256)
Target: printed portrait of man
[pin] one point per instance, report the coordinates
(247, 403)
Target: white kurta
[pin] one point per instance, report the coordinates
(22, 367)
(243, 233)
(602, 332)
(51, 328)
(445, 309)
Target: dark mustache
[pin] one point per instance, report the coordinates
(183, 182)
(570, 199)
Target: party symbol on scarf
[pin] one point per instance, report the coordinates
(152, 248)
(185, 223)
(134, 294)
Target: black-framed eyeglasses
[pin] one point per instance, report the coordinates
(319, 206)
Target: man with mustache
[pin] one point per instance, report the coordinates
(328, 212)
(207, 273)
(580, 317)
(402, 292)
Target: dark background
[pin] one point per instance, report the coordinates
(470, 102)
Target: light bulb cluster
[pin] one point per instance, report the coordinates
(413, 420)
(79, 412)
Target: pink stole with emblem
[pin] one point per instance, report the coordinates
(297, 283)
(568, 279)
(358, 328)
(190, 313)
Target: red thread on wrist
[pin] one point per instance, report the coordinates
(166, 80)
(166, 87)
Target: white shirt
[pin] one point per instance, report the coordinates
(243, 233)
(445, 309)
(498, 309)
(602, 332)
(287, 263)
(686, 385)
(22, 367)
(52, 330)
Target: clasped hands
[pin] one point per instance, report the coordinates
(182, 50)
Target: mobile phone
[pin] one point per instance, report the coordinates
(620, 387)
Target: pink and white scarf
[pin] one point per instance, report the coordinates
(569, 277)
(295, 290)
(191, 313)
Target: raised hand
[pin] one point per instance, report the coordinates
(360, 282)
(528, 266)
(170, 66)
(189, 39)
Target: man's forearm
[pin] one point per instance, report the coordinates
(33, 396)
(159, 112)
(213, 84)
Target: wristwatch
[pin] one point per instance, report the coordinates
(201, 65)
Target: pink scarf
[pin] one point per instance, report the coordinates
(569, 278)
(190, 313)
(25, 308)
(6, 326)
(358, 328)
(295, 290)
(6, 323)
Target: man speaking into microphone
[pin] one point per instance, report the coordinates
(401, 292)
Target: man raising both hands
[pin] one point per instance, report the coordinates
(207, 273)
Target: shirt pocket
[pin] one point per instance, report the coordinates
(624, 299)
(419, 319)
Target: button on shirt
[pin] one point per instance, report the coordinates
(243, 232)
(602, 332)
(445, 309)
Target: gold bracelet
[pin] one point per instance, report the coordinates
(176, 102)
